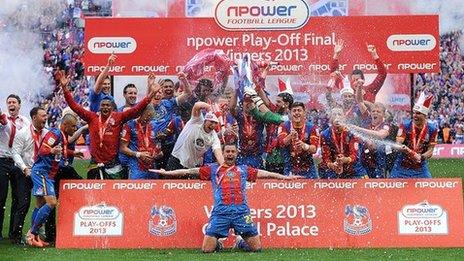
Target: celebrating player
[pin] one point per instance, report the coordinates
(102, 88)
(372, 89)
(419, 137)
(339, 151)
(105, 129)
(138, 143)
(300, 139)
(230, 205)
(53, 150)
(250, 133)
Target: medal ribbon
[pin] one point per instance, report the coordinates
(145, 134)
(36, 137)
(339, 144)
(65, 145)
(102, 128)
(416, 143)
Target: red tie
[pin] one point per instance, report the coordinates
(13, 131)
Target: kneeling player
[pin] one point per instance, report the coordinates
(230, 202)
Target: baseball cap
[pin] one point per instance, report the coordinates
(211, 117)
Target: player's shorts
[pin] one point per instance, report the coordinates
(219, 225)
(42, 184)
(399, 171)
(254, 161)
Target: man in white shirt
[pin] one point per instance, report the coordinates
(9, 126)
(24, 151)
(195, 139)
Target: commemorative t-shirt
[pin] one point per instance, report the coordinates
(193, 142)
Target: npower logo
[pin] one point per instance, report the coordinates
(112, 44)
(262, 14)
(411, 42)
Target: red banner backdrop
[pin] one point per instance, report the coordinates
(340, 214)
(164, 45)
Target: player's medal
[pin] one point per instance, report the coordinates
(338, 142)
(417, 142)
(102, 128)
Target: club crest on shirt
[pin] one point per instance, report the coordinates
(230, 175)
(199, 143)
(39, 191)
(160, 112)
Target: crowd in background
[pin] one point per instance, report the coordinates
(63, 50)
(447, 88)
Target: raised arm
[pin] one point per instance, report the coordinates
(380, 134)
(187, 88)
(260, 87)
(264, 97)
(360, 95)
(273, 175)
(101, 77)
(78, 133)
(193, 173)
(334, 78)
(3, 118)
(196, 110)
(135, 111)
(152, 88)
(335, 64)
(233, 103)
(373, 88)
(218, 155)
(217, 150)
(78, 109)
(338, 47)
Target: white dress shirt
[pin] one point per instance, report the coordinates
(23, 147)
(5, 132)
